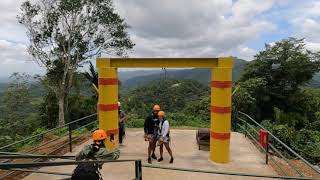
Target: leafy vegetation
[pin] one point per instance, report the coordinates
(180, 98)
(17, 110)
(273, 91)
(64, 34)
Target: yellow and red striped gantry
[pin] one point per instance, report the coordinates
(108, 104)
(221, 86)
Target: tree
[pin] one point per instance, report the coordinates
(64, 34)
(285, 66)
(80, 102)
(17, 105)
(93, 77)
(248, 97)
(172, 95)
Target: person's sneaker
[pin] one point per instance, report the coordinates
(154, 156)
(149, 160)
(171, 160)
(160, 159)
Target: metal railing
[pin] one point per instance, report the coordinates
(237, 174)
(250, 128)
(246, 123)
(138, 168)
(64, 135)
(20, 166)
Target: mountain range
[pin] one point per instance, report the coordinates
(134, 79)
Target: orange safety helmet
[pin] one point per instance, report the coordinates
(161, 113)
(156, 108)
(99, 135)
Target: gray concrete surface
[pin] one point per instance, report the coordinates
(244, 158)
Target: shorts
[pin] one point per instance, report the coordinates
(151, 138)
(166, 139)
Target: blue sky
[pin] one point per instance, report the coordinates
(184, 28)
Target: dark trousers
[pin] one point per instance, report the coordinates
(121, 132)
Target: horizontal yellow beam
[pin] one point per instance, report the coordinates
(164, 62)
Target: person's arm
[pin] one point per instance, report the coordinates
(104, 154)
(83, 153)
(165, 129)
(146, 122)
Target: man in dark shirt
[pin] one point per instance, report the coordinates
(151, 125)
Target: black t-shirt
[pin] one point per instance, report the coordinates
(151, 124)
(120, 115)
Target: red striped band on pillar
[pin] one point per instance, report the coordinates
(221, 84)
(219, 136)
(220, 110)
(112, 131)
(108, 107)
(108, 81)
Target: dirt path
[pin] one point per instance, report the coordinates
(244, 158)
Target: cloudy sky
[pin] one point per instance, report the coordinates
(185, 28)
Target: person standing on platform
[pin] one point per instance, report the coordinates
(151, 126)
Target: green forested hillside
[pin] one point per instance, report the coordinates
(201, 75)
(173, 95)
(185, 101)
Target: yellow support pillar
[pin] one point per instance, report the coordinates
(108, 103)
(221, 86)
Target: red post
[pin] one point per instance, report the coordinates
(263, 138)
(264, 142)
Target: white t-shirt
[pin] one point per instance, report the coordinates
(164, 127)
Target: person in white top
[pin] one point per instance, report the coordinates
(164, 136)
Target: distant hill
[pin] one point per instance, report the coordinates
(202, 75)
(125, 75)
(315, 81)
(3, 86)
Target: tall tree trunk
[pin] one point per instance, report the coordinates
(61, 109)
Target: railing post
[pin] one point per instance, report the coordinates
(246, 129)
(138, 170)
(267, 149)
(136, 164)
(70, 137)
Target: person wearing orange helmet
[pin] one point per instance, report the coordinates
(164, 136)
(97, 148)
(95, 151)
(151, 124)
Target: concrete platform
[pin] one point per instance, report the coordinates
(244, 158)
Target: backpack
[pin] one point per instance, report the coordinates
(87, 171)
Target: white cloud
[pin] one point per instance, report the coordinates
(191, 28)
(310, 29)
(246, 53)
(306, 23)
(312, 46)
(14, 58)
(245, 10)
(10, 28)
(183, 28)
(311, 9)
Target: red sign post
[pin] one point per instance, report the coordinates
(264, 141)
